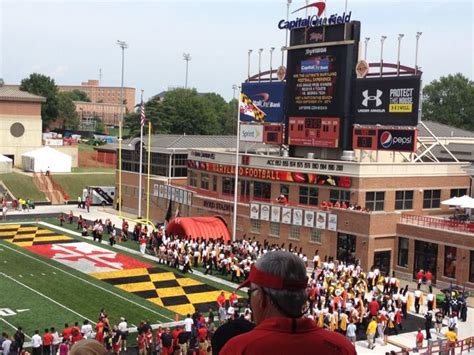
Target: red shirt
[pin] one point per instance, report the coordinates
(232, 298)
(275, 336)
(47, 339)
(221, 300)
(419, 337)
(202, 334)
(67, 332)
(419, 275)
(373, 308)
(429, 276)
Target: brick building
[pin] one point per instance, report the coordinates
(105, 101)
(406, 229)
(20, 122)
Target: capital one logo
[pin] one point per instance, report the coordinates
(319, 5)
(376, 98)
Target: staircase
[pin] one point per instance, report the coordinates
(52, 190)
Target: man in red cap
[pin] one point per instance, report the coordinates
(277, 294)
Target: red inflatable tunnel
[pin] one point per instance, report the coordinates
(197, 227)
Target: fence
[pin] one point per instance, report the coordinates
(442, 347)
(438, 223)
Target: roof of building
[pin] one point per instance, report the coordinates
(167, 142)
(11, 93)
(443, 131)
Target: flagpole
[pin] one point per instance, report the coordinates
(148, 173)
(141, 165)
(236, 177)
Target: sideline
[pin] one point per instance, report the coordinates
(90, 283)
(11, 325)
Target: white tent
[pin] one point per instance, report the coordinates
(453, 201)
(46, 158)
(5, 164)
(467, 202)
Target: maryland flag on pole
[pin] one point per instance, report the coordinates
(247, 107)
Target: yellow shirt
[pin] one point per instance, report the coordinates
(451, 335)
(372, 327)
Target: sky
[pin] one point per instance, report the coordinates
(72, 40)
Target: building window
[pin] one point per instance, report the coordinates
(227, 185)
(275, 229)
(450, 261)
(255, 225)
(375, 200)
(284, 190)
(295, 232)
(192, 179)
(205, 181)
(403, 200)
(471, 267)
(240, 223)
(315, 236)
(214, 183)
(262, 190)
(340, 195)
(458, 192)
(308, 195)
(431, 198)
(244, 189)
(346, 248)
(402, 252)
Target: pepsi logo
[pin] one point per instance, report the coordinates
(386, 139)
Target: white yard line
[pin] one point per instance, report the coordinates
(90, 283)
(47, 297)
(11, 325)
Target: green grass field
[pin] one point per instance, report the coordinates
(38, 292)
(73, 184)
(21, 186)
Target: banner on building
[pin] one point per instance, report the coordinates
(297, 217)
(332, 222)
(286, 215)
(309, 219)
(265, 212)
(254, 211)
(276, 211)
(321, 220)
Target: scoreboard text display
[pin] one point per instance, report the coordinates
(387, 101)
(314, 131)
(315, 81)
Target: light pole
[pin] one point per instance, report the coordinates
(418, 35)
(367, 39)
(123, 45)
(187, 58)
(382, 40)
(288, 3)
(248, 64)
(236, 176)
(259, 63)
(400, 36)
(271, 58)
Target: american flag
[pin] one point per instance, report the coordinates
(142, 114)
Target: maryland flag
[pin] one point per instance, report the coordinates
(247, 107)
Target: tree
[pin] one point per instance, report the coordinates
(43, 85)
(450, 100)
(78, 95)
(185, 111)
(67, 111)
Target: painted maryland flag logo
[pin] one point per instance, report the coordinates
(87, 258)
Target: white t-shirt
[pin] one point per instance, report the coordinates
(188, 324)
(122, 326)
(36, 341)
(86, 330)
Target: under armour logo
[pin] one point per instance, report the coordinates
(368, 98)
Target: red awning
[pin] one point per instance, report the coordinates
(198, 227)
